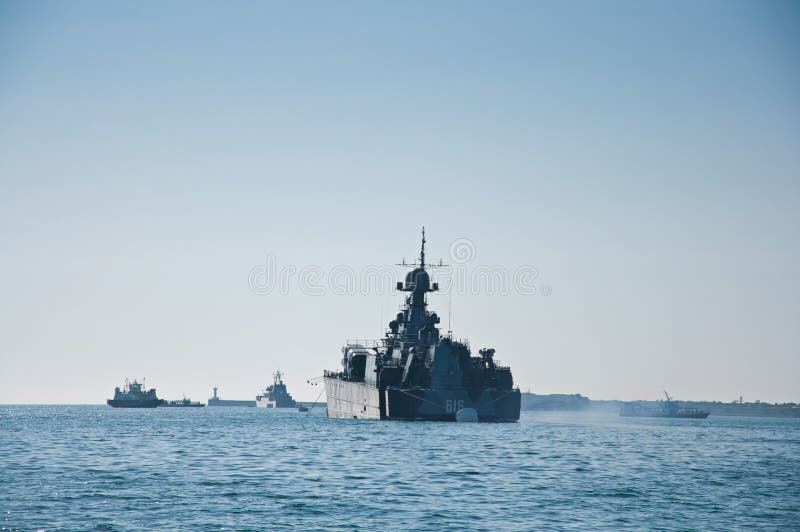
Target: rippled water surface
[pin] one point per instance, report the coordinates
(212, 468)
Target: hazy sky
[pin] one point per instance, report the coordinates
(644, 157)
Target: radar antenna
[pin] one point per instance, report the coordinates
(421, 262)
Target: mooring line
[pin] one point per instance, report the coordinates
(315, 401)
(498, 398)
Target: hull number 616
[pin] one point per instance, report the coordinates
(452, 406)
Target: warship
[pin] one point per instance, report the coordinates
(134, 395)
(663, 408)
(415, 373)
(216, 401)
(275, 395)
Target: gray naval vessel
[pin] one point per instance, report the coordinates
(415, 373)
(134, 395)
(275, 395)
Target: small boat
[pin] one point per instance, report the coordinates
(302, 408)
(662, 408)
(183, 403)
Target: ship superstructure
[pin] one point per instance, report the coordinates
(415, 373)
(275, 395)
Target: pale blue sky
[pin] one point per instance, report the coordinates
(644, 157)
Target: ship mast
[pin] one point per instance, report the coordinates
(422, 251)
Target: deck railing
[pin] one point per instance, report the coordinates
(368, 344)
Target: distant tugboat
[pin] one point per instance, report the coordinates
(662, 408)
(134, 395)
(275, 395)
(183, 403)
(413, 373)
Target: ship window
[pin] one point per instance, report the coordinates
(358, 363)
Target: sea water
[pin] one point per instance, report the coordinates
(94, 467)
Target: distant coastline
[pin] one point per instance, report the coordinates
(577, 402)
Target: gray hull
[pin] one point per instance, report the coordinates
(352, 400)
(132, 403)
(362, 401)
